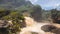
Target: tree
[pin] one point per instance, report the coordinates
(4, 12)
(55, 15)
(37, 12)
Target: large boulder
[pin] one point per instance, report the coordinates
(56, 31)
(48, 28)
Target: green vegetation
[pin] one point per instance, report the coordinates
(17, 17)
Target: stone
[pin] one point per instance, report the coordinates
(48, 28)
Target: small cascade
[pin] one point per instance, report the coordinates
(32, 26)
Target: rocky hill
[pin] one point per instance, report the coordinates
(12, 4)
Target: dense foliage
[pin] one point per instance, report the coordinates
(15, 17)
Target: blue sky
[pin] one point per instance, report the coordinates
(47, 4)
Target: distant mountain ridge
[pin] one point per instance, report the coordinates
(14, 3)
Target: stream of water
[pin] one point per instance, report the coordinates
(32, 26)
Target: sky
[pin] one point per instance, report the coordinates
(47, 4)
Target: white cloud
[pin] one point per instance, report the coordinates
(33, 1)
(51, 5)
(47, 3)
